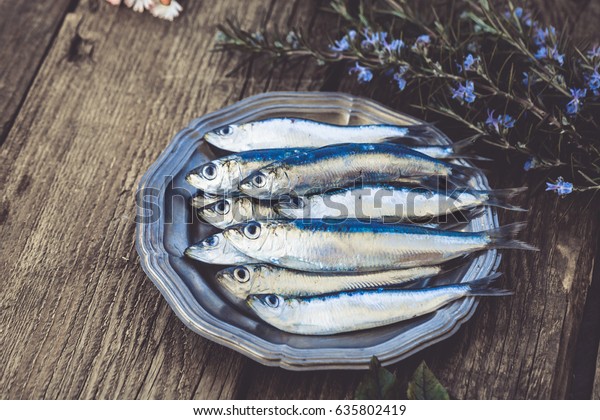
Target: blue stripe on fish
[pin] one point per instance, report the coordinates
(344, 150)
(356, 226)
(270, 155)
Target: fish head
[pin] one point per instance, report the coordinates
(266, 182)
(237, 280)
(213, 176)
(209, 249)
(203, 198)
(268, 307)
(249, 237)
(219, 214)
(227, 136)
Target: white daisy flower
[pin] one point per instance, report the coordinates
(139, 5)
(166, 9)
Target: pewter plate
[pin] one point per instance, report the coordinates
(167, 226)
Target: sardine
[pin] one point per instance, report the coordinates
(223, 175)
(319, 170)
(215, 249)
(360, 310)
(230, 211)
(296, 132)
(257, 279)
(389, 201)
(350, 245)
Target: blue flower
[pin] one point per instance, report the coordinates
(544, 52)
(464, 93)
(501, 122)
(469, 64)
(559, 58)
(575, 103)
(594, 52)
(526, 80)
(561, 186)
(341, 45)
(541, 34)
(530, 163)
(364, 75)
(373, 39)
(593, 80)
(423, 39)
(399, 77)
(421, 43)
(393, 47)
(344, 43)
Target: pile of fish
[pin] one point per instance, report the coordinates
(323, 233)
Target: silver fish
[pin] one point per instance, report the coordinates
(257, 279)
(360, 310)
(319, 170)
(296, 132)
(230, 211)
(223, 175)
(215, 249)
(388, 201)
(350, 245)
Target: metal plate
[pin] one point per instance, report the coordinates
(167, 225)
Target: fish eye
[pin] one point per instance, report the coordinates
(209, 171)
(222, 207)
(224, 131)
(259, 180)
(272, 301)
(211, 241)
(252, 230)
(241, 274)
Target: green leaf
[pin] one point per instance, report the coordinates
(425, 386)
(378, 384)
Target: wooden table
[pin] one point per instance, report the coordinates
(91, 94)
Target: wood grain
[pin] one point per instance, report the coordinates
(23, 50)
(79, 318)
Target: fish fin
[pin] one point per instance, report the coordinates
(501, 198)
(426, 133)
(503, 237)
(484, 287)
(459, 218)
(460, 147)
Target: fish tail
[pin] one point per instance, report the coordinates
(502, 198)
(461, 147)
(503, 237)
(484, 287)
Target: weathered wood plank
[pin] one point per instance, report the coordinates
(79, 318)
(23, 50)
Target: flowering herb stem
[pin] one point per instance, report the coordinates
(466, 67)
